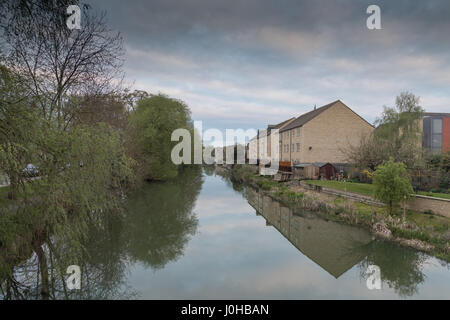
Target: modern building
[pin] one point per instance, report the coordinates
(436, 132)
(322, 134)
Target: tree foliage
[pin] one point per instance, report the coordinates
(392, 183)
(152, 124)
(57, 63)
(18, 128)
(52, 80)
(398, 135)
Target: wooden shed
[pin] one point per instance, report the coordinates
(305, 171)
(326, 171)
(314, 171)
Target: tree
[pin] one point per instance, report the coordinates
(106, 108)
(440, 163)
(398, 135)
(368, 153)
(56, 62)
(18, 128)
(152, 124)
(82, 164)
(392, 183)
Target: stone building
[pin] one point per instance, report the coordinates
(321, 134)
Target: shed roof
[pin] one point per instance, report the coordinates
(302, 165)
(316, 164)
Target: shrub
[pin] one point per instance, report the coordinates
(392, 183)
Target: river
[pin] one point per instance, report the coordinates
(202, 237)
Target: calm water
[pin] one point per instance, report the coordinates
(203, 238)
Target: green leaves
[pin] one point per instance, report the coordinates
(153, 122)
(392, 183)
(398, 133)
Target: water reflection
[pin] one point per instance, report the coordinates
(337, 248)
(160, 220)
(401, 268)
(153, 229)
(102, 271)
(167, 244)
(333, 246)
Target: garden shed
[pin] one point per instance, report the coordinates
(314, 171)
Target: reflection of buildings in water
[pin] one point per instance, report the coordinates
(333, 246)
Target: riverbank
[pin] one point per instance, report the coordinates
(425, 232)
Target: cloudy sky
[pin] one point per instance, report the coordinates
(244, 64)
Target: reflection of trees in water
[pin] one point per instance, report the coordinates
(160, 220)
(209, 170)
(401, 268)
(102, 270)
(154, 230)
(226, 177)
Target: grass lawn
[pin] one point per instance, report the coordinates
(361, 188)
(364, 188)
(433, 194)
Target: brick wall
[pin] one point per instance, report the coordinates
(446, 134)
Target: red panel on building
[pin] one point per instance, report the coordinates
(445, 134)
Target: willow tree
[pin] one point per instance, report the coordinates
(17, 129)
(83, 167)
(398, 135)
(152, 124)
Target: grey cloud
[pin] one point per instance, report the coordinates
(235, 63)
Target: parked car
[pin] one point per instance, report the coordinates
(30, 171)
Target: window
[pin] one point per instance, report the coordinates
(298, 147)
(436, 135)
(292, 148)
(298, 132)
(292, 132)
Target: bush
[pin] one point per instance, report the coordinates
(392, 183)
(265, 184)
(242, 173)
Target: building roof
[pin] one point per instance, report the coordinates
(279, 125)
(304, 118)
(436, 114)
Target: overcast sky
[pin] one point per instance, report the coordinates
(244, 64)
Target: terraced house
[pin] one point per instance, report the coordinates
(270, 130)
(321, 134)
